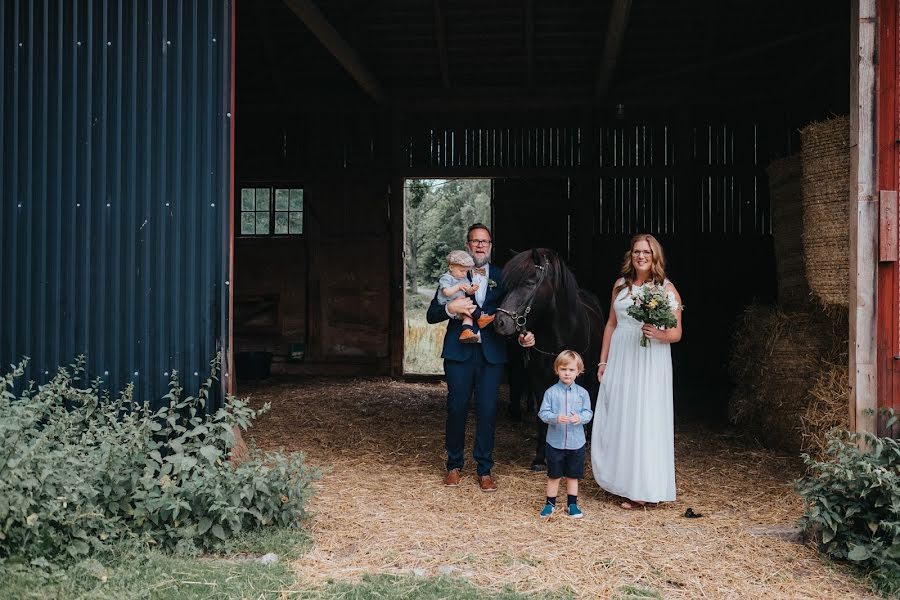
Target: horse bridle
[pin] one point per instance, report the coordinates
(521, 320)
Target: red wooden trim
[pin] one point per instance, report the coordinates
(888, 167)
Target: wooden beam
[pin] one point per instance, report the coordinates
(316, 22)
(725, 59)
(863, 219)
(440, 35)
(615, 34)
(528, 34)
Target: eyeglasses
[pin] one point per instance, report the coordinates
(480, 242)
(641, 252)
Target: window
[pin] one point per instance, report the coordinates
(271, 210)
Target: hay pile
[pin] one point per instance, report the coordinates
(777, 359)
(826, 233)
(381, 508)
(787, 215)
(789, 361)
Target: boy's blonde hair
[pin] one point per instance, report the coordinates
(568, 356)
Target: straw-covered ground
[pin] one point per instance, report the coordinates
(381, 507)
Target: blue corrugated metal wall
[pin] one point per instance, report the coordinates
(115, 171)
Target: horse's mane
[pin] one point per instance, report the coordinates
(521, 267)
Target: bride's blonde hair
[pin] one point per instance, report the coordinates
(657, 262)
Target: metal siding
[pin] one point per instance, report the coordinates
(115, 126)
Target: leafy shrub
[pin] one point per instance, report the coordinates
(79, 470)
(853, 501)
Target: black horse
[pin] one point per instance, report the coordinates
(543, 297)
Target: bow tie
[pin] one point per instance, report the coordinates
(479, 271)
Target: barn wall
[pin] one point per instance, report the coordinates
(330, 287)
(114, 226)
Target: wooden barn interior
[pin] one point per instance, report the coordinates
(594, 119)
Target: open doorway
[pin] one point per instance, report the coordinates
(437, 214)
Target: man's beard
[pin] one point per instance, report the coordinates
(480, 262)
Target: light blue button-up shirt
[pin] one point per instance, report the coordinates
(560, 399)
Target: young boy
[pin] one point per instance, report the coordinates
(565, 409)
(455, 283)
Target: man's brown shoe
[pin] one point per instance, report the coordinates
(486, 483)
(452, 478)
(484, 321)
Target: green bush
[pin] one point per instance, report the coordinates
(79, 470)
(853, 504)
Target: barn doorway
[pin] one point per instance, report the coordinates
(437, 213)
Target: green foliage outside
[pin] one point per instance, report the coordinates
(853, 503)
(438, 212)
(81, 472)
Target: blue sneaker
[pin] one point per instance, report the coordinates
(547, 510)
(575, 512)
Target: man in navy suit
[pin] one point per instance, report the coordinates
(477, 367)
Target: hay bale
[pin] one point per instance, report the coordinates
(776, 361)
(785, 177)
(827, 409)
(746, 361)
(829, 403)
(825, 186)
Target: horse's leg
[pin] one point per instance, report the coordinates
(517, 385)
(539, 464)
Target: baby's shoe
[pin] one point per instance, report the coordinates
(468, 336)
(485, 320)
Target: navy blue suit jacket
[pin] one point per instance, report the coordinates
(492, 344)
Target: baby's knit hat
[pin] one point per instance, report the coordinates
(461, 258)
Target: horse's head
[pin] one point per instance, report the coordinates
(530, 279)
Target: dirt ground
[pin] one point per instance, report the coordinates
(381, 506)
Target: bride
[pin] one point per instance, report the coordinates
(632, 444)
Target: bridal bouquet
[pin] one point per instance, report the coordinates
(651, 305)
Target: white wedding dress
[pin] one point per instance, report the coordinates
(633, 444)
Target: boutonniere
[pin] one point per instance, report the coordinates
(491, 284)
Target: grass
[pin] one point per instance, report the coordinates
(150, 574)
(390, 587)
(635, 592)
(134, 573)
(423, 344)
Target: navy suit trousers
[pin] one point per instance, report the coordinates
(463, 378)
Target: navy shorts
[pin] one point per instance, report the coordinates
(565, 463)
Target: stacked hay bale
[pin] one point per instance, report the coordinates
(826, 209)
(785, 176)
(789, 361)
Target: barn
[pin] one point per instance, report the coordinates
(186, 178)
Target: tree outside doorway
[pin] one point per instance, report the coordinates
(438, 212)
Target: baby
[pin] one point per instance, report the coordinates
(455, 283)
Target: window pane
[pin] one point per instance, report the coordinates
(281, 222)
(247, 199)
(297, 199)
(248, 223)
(296, 222)
(281, 199)
(262, 198)
(262, 223)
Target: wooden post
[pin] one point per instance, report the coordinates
(397, 223)
(863, 219)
